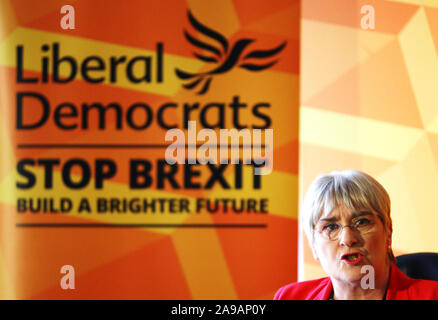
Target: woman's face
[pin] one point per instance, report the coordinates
(364, 244)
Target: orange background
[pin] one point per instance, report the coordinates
(369, 102)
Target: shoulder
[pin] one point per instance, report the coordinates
(305, 290)
(406, 288)
(423, 289)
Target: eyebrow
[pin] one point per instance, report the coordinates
(353, 216)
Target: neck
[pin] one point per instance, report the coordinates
(354, 291)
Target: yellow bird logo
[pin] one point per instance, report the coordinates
(223, 58)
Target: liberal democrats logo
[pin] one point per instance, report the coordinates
(223, 59)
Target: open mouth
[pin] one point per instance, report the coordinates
(352, 258)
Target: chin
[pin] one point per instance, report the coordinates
(350, 278)
(350, 273)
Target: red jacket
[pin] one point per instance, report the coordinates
(400, 287)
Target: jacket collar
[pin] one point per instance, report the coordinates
(325, 289)
(398, 284)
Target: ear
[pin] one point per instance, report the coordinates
(389, 237)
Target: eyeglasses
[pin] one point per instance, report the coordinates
(332, 231)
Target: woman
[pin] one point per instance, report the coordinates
(346, 218)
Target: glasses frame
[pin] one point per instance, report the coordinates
(351, 226)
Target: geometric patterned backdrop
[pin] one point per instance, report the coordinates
(369, 100)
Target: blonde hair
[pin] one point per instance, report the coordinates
(351, 188)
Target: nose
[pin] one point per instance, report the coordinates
(348, 237)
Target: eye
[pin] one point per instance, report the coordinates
(362, 222)
(330, 227)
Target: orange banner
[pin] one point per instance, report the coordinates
(121, 176)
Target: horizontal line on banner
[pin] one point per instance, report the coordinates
(139, 225)
(127, 146)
